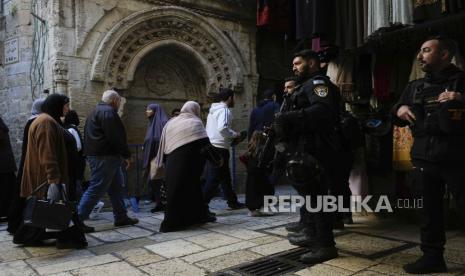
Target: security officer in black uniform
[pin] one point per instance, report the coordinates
(309, 131)
(434, 108)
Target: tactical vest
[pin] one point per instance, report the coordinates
(432, 117)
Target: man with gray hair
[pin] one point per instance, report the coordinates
(107, 150)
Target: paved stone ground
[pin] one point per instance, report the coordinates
(369, 247)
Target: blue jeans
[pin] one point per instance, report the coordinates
(106, 175)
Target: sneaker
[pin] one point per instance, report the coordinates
(126, 221)
(426, 265)
(96, 211)
(236, 206)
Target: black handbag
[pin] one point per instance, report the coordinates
(43, 213)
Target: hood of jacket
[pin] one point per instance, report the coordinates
(217, 106)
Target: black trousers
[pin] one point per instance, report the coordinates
(339, 173)
(258, 185)
(319, 223)
(9, 192)
(433, 178)
(217, 176)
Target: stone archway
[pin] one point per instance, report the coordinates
(169, 75)
(164, 33)
(130, 40)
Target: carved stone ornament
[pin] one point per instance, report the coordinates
(60, 70)
(140, 33)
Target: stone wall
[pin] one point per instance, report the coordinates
(15, 85)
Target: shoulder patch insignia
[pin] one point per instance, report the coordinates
(321, 90)
(317, 82)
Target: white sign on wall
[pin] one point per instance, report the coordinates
(7, 4)
(11, 51)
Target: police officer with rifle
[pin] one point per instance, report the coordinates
(434, 108)
(306, 133)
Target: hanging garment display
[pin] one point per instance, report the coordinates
(454, 6)
(274, 14)
(424, 10)
(315, 18)
(381, 80)
(416, 72)
(402, 143)
(362, 71)
(402, 11)
(358, 180)
(340, 70)
(349, 33)
(378, 15)
(401, 67)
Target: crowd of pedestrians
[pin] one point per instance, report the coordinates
(185, 162)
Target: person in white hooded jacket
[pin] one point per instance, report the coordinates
(221, 136)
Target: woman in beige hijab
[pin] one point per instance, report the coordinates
(184, 148)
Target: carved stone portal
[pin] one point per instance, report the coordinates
(134, 37)
(169, 76)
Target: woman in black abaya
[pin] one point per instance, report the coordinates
(185, 147)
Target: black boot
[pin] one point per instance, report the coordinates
(338, 224)
(302, 232)
(348, 220)
(305, 240)
(126, 221)
(71, 238)
(427, 264)
(295, 226)
(320, 255)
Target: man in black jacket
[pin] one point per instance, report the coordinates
(434, 108)
(262, 116)
(107, 151)
(309, 130)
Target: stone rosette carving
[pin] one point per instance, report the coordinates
(60, 71)
(135, 36)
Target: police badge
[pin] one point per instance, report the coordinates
(321, 90)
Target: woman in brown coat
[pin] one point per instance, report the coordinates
(46, 157)
(47, 161)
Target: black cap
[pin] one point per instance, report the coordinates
(224, 94)
(307, 54)
(268, 94)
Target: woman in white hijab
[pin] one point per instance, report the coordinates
(184, 148)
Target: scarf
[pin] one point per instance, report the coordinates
(154, 131)
(181, 130)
